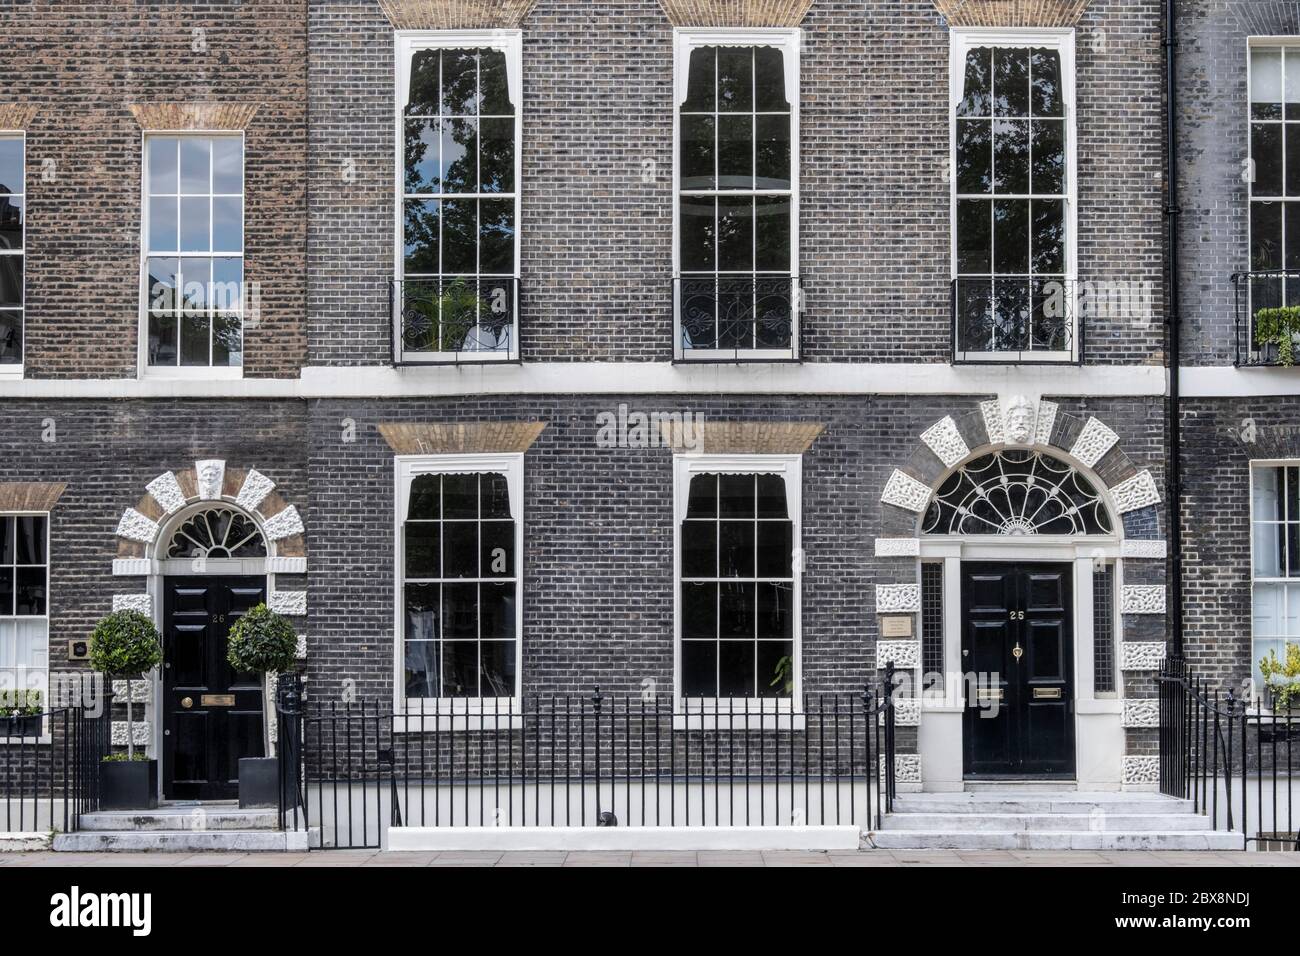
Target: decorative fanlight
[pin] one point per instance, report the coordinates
(1017, 493)
(217, 533)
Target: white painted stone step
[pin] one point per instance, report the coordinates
(1047, 822)
(1018, 801)
(178, 841)
(1054, 840)
(180, 819)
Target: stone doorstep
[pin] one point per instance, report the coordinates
(177, 841)
(1104, 822)
(179, 819)
(1040, 840)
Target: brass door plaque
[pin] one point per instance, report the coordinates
(896, 625)
(217, 700)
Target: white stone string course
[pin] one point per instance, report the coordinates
(946, 442)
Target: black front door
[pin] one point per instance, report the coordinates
(212, 715)
(1018, 654)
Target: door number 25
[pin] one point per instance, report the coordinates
(1017, 615)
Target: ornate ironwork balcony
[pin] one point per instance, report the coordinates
(1267, 318)
(455, 320)
(727, 318)
(1012, 320)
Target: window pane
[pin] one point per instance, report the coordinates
(11, 337)
(11, 221)
(162, 164)
(1265, 236)
(460, 496)
(227, 339)
(460, 669)
(161, 278)
(699, 549)
(735, 234)
(702, 499)
(1011, 236)
(459, 82)
(163, 331)
(775, 619)
(227, 284)
(494, 84)
(7, 544)
(974, 156)
(496, 237)
(1046, 98)
(736, 610)
(977, 86)
(195, 333)
(423, 224)
(195, 278)
(1010, 82)
(700, 81)
(423, 171)
(495, 492)
(227, 165)
(498, 549)
(460, 156)
(699, 668)
(1265, 83)
(163, 235)
(700, 611)
(195, 224)
(736, 669)
(698, 239)
(1011, 156)
(498, 611)
(228, 224)
(775, 668)
(29, 533)
(497, 156)
(423, 549)
(196, 164)
(736, 152)
(775, 549)
(11, 164)
(1048, 156)
(6, 590)
(769, 81)
(422, 97)
(425, 501)
(772, 167)
(1048, 236)
(460, 549)
(974, 238)
(698, 135)
(771, 497)
(1292, 137)
(497, 678)
(1266, 490)
(29, 597)
(1268, 610)
(1266, 152)
(11, 281)
(773, 240)
(736, 549)
(1292, 257)
(459, 237)
(736, 496)
(460, 611)
(735, 79)
(421, 669)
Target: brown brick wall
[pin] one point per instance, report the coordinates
(81, 67)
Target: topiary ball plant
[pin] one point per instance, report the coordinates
(263, 642)
(125, 644)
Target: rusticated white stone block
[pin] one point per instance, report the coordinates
(1142, 712)
(301, 650)
(286, 565)
(210, 475)
(945, 440)
(897, 598)
(133, 602)
(141, 691)
(898, 547)
(1093, 442)
(140, 731)
(1136, 492)
(132, 567)
(1141, 548)
(907, 768)
(137, 527)
(1142, 599)
(993, 424)
(254, 490)
(293, 603)
(1141, 655)
(906, 655)
(1141, 771)
(1046, 422)
(284, 525)
(166, 490)
(907, 712)
(904, 491)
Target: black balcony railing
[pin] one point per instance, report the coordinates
(1012, 320)
(1267, 318)
(455, 320)
(729, 318)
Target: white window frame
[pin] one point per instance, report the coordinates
(788, 41)
(961, 41)
(1260, 695)
(45, 684)
(408, 43)
(189, 372)
(458, 713)
(16, 371)
(763, 712)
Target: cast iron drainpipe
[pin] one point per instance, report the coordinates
(1173, 318)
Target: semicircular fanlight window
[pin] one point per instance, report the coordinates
(217, 533)
(1017, 493)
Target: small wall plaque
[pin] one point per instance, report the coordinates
(217, 700)
(896, 625)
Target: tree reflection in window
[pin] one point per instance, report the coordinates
(737, 597)
(1017, 493)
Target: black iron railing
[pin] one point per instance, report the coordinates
(586, 760)
(49, 767)
(1234, 762)
(1013, 320)
(455, 320)
(1263, 320)
(730, 318)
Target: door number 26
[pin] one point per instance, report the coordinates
(1017, 615)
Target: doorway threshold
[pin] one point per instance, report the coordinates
(1041, 783)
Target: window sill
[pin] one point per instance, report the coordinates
(734, 357)
(11, 372)
(441, 359)
(756, 722)
(1014, 358)
(189, 374)
(458, 714)
(44, 740)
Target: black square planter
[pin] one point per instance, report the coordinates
(128, 785)
(259, 782)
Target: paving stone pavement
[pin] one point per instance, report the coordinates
(870, 858)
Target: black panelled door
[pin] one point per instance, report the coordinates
(1018, 642)
(212, 715)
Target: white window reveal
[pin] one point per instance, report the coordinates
(24, 605)
(459, 556)
(1013, 210)
(737, 542)
(737, 212)
(1275, 561)
(459, 120)
(193, 282)
(12, 204)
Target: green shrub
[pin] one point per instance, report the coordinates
(261, 642)
(125, 644)
(124, 758)
(1282, 677)
(1279, 327)
(21, 703)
